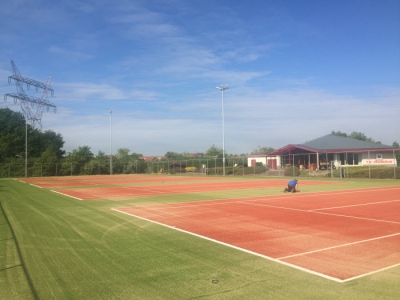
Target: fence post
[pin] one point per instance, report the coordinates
(293, 165)
(369, 166)
(394, 165)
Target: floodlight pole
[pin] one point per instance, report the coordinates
(111, 142)
(222, 88)
(26, 141)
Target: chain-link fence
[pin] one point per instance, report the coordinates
(207, 166)
(346, 171)
(202, 166)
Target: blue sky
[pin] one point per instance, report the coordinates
(296, 70)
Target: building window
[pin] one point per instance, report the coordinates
(349, 158)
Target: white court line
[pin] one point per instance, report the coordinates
(361, 204)
(67, 195)
(354, 217)
(339, 192)
(372, 272)
(30, 184)
(241, 200)
(321, 212)
(275, 206)
(237, 248)
(140, 189)
(279, 260)
(338, 246)
(35, 185)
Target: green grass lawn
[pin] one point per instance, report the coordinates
(55, 247)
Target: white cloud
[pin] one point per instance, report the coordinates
(70, 54)
(88, 92)
(271, 119)
(156, 65)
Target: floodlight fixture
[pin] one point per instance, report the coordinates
(223, 87)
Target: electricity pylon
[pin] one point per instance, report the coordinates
(32, 107)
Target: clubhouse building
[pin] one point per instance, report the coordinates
(329, 151)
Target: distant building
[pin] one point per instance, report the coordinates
(197, 154)
(329, 151)
(150, 158)
(264, 159)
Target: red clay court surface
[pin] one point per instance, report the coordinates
(155, 185)
(341, 235)
(53, 182)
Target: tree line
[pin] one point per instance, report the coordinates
(46, 147)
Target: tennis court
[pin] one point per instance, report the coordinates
(339, 235)
(113, 187)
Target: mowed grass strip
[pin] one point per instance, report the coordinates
(14, 283)
(83, 250)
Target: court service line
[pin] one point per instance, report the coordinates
(66, 195)
(333, 192)
(280, 207)
(339, 246)
(355, 205)
(140, 189)
(354, 217)
(324, 213)
(236, 247)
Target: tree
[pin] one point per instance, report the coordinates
(339, 133)
(77, 159)
(214, 151)
(171, 155)
(263, 150)
(98, 165)
(122, 154)
(48, 161)
(54, 141)
(12, 134)
(136, 156)
(12, 137)
(82, 155)
(355, 135)
(358, 136)
(39, 141)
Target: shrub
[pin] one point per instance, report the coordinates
(376, 172)
(292, 171)
(253, 170)
(191, 169)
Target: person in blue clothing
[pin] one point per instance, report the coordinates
(292, 186)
